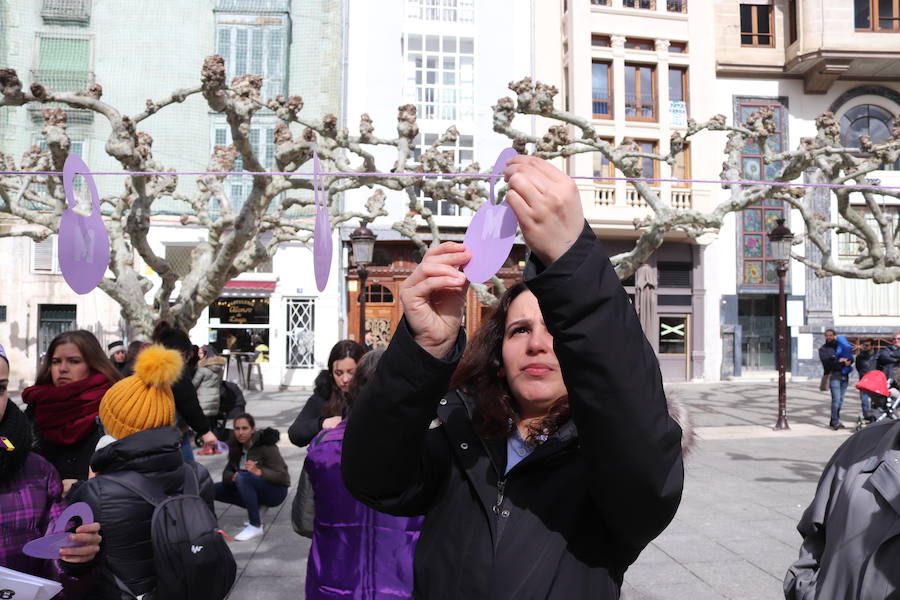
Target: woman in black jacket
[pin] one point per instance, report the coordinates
(553, 462)
(328, 404)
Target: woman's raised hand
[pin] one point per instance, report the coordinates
(547, 205)
(434, 298)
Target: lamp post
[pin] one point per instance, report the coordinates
(363, 241)
(780, 240)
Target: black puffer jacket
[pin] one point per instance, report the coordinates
(264, 452)
(309, 422)
(125, 517)
(566, 521)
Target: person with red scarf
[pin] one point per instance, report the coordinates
(64, 402)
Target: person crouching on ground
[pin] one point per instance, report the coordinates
(30, 501)
(256, 474)
(551, 462)
(356, 552)
(138, 414)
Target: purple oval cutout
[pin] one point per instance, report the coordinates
(492, 232)
(83, 247)
(322, 243)
(49, 545)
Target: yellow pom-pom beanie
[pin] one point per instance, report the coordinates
(144, 400)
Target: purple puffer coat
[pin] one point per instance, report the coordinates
(357, 553)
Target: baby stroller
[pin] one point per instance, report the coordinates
(231, 404)
(884, 398)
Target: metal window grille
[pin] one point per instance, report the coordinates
(43, 256)
(253, 6)
(674, 274)
(179, 258)
(447, 11)
(77, 11)
(262, 138)
(53, 319)
(300, 333)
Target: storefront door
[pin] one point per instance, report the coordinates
(675, 346)
(756, 316)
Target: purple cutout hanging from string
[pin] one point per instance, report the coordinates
(322, 243)
(492, 232)
(49, 545)
(83, 247)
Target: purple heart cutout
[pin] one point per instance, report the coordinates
(322, 243)
(49, 545)
(83, 247)
(492, 232)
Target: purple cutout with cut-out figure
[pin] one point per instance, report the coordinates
(83, 246)
(492, 232)
(49, 545)
(322, 243)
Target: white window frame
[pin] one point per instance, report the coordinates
(52, 243)
(444, 11)
(440, 82)
(263, 129)
(232, 30)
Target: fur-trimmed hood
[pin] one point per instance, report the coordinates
(215, 360)
(266, 437)
(680, 412)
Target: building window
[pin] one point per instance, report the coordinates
(440, 76)
(678, 96)
(66, 11)
(600, 41)
(602, 166)
(601, 89)
(870, 120)
(677, 6)
(300, 333)
(179, 259)
(64, 63)
(678, 47)
(463, 152)
(378, 293)
(54, 319)
(850, 246)
(756, 25)
(639, 44)
(877, 15)
(447, 11)
(256, 44)
(752, 165)
(649, 167)
(644, 4)
(262, 139)
(673, 334)
(682, 167)
(640, 92)
(44, 256)
(601, 2)
(792, 24)
(2, 314)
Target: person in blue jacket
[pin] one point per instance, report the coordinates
(836, 355)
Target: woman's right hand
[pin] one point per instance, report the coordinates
(434, 298)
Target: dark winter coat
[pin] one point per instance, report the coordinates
(865, 362)
(206, 381)
(889, 358)
(851, 531)
(187, 405)
(309, 422)
(71, 460)
(828, 355)
(567, 520)
(125, 517)
(264, 452)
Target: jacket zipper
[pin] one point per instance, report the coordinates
(501, 484)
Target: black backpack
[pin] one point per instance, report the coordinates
(190, 556)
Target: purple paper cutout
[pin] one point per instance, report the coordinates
(83, 247)
(322, 243)
(492, 232)
(49, 545)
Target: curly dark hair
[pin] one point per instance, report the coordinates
(478, 374)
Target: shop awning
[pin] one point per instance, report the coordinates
(240, 288)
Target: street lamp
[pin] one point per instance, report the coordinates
(780, 240)
(363, 241)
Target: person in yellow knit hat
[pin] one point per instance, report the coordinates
(138, 414)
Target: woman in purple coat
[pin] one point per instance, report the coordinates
(357, 553)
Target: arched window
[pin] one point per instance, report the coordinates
(866, 119)
(378, 293)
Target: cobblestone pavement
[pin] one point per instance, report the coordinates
(733, 537)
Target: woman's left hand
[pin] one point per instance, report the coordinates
(252, 468)
(547, 205)
(89, 536)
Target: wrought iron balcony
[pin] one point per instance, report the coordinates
(253, 6)
(68, 11)
(63, 81)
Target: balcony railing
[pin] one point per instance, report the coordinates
(676, 6)
(253, 6)
(68, 11)
(681, 199)
(643, 4)
(604, 195)
(601, 108)
(601, 2)
(641, 107)
(63, 81)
